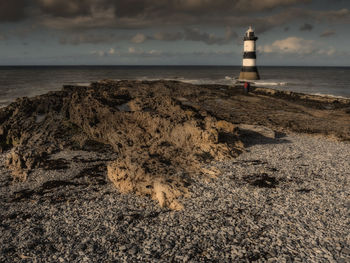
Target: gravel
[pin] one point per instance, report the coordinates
(283, 200)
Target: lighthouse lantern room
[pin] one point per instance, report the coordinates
(249, 70)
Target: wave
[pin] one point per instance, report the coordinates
(4, 103)
(81, 84)
(330, 95)
(263, 83)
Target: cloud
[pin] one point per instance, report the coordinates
(139, 52)
(217, 53)
(132, 51)
(168, 36)
(194, 34)
(64, 8)
(342, 15)
(84, 16)
(12, 10)
(261, 5)
(296, 45)
(329, 52)
(327, 33)
(111, 51)
(90, 38)
(289, 45)
(99, 53)
(105, 53)
(134, 13)
(138, 38)
(306, 27)
(169, 8)
(190, 34)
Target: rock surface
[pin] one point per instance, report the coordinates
(160, 141)
(163, 131)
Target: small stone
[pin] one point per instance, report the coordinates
(346, 251)
(122, 248)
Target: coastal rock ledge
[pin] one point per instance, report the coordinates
(159, 138)
(158, 135)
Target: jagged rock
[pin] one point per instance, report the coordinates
(161, 141)
(21, 161)
(163, 131)
(157, 138)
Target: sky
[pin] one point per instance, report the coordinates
(173, 32)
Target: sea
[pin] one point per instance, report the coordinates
(28, 81)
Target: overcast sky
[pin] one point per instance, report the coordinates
(173, 32)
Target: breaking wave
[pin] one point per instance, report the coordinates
(264, 83)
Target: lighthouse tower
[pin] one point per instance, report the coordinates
(249, 70)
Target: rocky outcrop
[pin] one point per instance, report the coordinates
(163, 132)
(160, 140)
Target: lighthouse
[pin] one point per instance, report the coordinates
(249, 70)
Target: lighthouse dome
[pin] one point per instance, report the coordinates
(249, 35)
(250, 30)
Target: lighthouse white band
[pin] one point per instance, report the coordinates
(249, 46)
(249, 62)
(249, 70)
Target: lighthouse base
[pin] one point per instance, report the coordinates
(249, 75)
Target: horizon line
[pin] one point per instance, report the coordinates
(184, 65)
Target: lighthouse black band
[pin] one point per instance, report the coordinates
(249, 69)
(249, 55)
(250, 38)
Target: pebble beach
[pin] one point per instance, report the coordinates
(285, 199)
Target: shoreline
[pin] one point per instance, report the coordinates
(324, 98)
(273, 88)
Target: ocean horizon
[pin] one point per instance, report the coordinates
(23, 80)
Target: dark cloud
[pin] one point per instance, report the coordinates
(342, 15)
(12, 10)
(63, 8)
(191, 34)
(131, 8)
(261, 5)
(194, 34)
(306, 27)
(86, 16)
(193, 10)
(90, 38)
(327, 33)
(168, 36)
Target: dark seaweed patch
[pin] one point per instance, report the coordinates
(261, 180)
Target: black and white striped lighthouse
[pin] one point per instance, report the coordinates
(249, 70)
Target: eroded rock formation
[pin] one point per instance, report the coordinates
(160, 140)
(163, 132)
